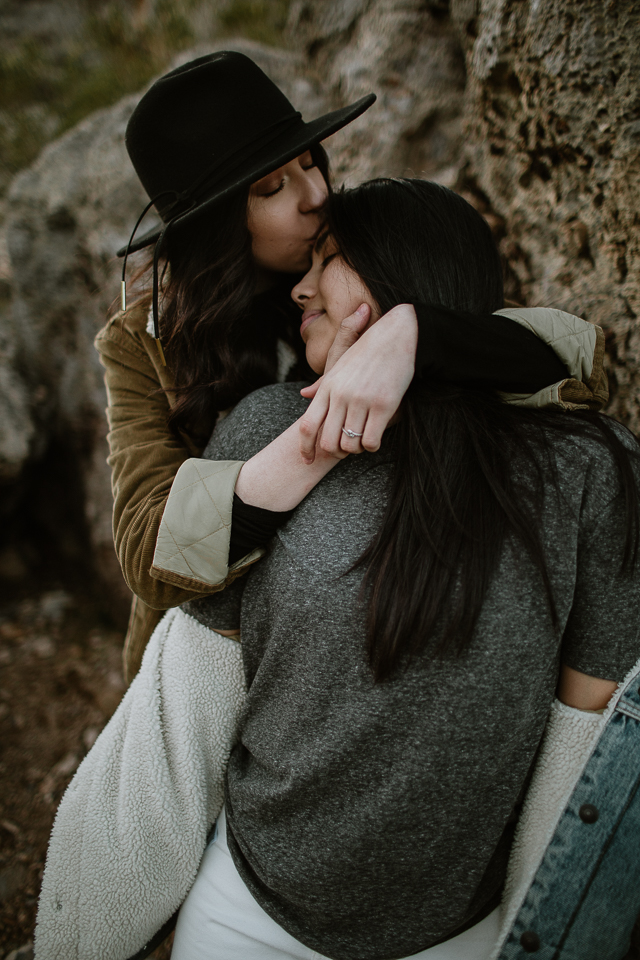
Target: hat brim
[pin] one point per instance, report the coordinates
(291, 145)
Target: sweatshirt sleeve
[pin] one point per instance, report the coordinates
(602, 634)
(495, 352)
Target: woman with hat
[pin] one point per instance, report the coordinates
(239, 180)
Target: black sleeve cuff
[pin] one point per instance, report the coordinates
(490, 351)
(252, 527)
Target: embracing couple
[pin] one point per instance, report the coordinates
(415, 565)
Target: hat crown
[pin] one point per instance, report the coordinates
(196, 119)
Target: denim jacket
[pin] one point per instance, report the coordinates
(584, 897)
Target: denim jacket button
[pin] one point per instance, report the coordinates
(530, 941)
(588, 813)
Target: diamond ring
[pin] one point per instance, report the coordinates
(351, 433)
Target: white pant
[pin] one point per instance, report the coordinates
(220, 920)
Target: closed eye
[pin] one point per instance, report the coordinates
(328, 259)
(273, 192)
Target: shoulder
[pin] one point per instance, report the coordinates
(277, 403)
(592, 445)
(596, 459)
(127, 330)
(258, 419)
(127, 350)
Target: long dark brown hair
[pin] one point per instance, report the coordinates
(470, 470)
(220, 338)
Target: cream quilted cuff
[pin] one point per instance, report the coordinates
(580, 346)
(193, 540)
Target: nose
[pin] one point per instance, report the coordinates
(302, 292)
(315, 192)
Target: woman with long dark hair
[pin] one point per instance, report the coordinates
(405, 635)
(239, 182)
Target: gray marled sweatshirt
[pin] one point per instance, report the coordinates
(374, 820)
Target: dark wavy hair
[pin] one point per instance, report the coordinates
(470, 471)
(219, 336)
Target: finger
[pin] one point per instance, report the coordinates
(310, 424)
(310, 391)
(350, 329)
(375, 426)
(355, 420)
(340, 454)
(332, 429)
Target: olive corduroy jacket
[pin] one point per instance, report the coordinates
(145, 459)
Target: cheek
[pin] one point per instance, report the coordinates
(275, 243)
(264, 228)
(342, 292)
(273, 222)
(319, 341)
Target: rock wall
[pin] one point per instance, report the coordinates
(65, 216)
(552, 116)
(407, 52)
(527, 107)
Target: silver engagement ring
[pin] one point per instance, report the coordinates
(351, 433)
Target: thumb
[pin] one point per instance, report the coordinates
(310, 391)
(350, 329)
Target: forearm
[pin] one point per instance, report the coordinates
(492, 351)
(144, 460)
(583, 692)
(146, 457)
(277, 478)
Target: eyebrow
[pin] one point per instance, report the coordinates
(320, 242)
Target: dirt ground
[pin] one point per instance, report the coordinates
(60, 681)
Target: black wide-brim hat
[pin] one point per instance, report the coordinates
(212, 126)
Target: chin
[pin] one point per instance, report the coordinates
(316, 363)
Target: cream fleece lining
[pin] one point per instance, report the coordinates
(131, 828)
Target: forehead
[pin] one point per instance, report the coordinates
(324, 242)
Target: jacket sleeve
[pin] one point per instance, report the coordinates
(146, 458)
(495, 353)
(569, 739)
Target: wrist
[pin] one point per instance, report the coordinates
(402, 323)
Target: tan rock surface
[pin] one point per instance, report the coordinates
(408, 53)
(553, 140)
